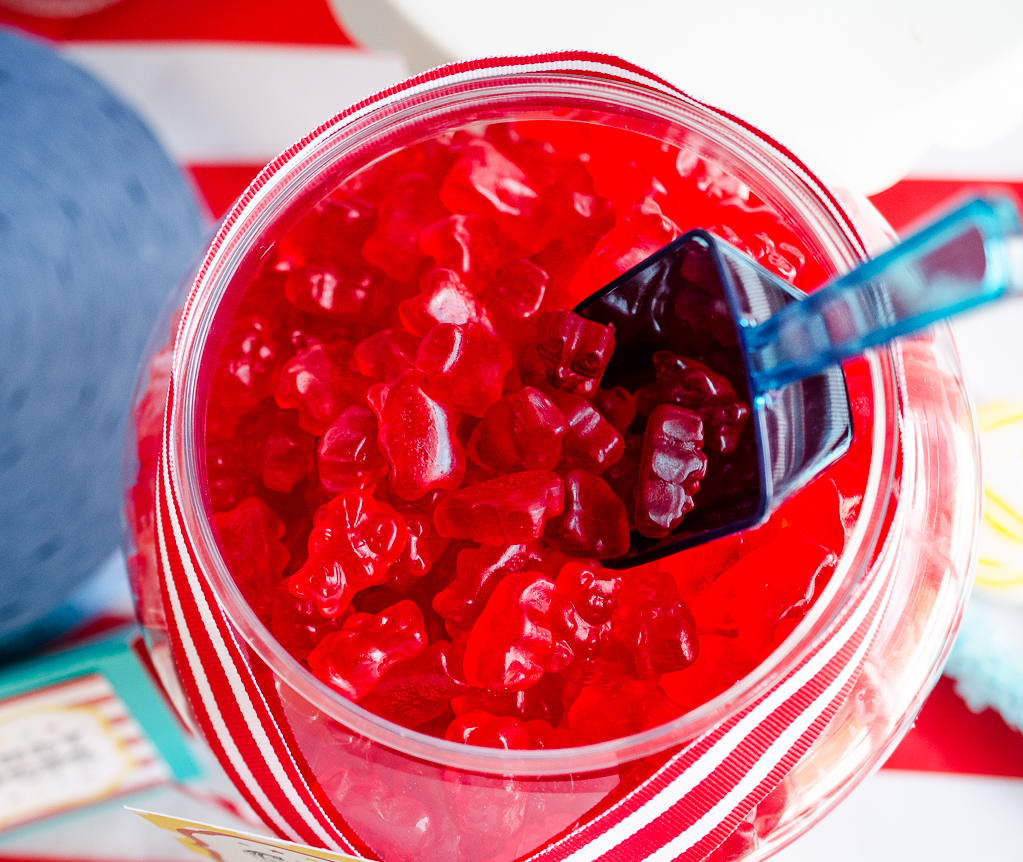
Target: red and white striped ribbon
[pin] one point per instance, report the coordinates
(229, 706)
(686, 808)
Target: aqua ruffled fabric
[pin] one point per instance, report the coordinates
(987, 659)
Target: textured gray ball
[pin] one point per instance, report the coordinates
(96, 228)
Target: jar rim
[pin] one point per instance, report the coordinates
(302, 175)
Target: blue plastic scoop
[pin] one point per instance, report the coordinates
(780, 349)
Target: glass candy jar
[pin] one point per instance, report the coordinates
(323, 769)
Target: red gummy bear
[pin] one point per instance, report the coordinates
(692, 384)
(226, 477)
(418, 689)
(245, 367)
(617, 406)
(769, 583)
(653, 630)
(250, 538)
(521, 431)
(486, 182)
(409, 208)
(623, 169)
(701, 681)
(297, 623)
(638, 233)
(353, 659)
(786, 259)
(478, 572)
(592, 590)
(580, 616)
(704, 186)
(332, 232)
(469, 244)
(542, 701)
(464, 366)
(354, 541)
(511, 643)
(821, 512)
(571, 352)
(593, 523)
(347, 457)
(445, 299)
(477, 727)
(417, 436)
(344, 292)
(701, 303)
(320, 382)
(281, 452)
(424, 546)
(507, 510)
(590, 441)
(670, 469)
(612, 706)
(518, 290)
(385, 355)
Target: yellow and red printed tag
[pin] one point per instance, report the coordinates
(81, 726)
(67, 745)
(227, 845)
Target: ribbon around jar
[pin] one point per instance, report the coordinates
(686, 808)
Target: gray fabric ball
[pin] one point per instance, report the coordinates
(96, 228)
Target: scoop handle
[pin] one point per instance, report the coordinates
(971, 256)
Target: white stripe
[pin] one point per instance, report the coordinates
(713, 757)
(225, 655)
(232, 102)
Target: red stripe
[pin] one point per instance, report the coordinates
(908, 200)
(221, 185)
(299, 22)
(948, 737)
(96, 701)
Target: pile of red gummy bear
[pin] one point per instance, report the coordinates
(415, 472)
